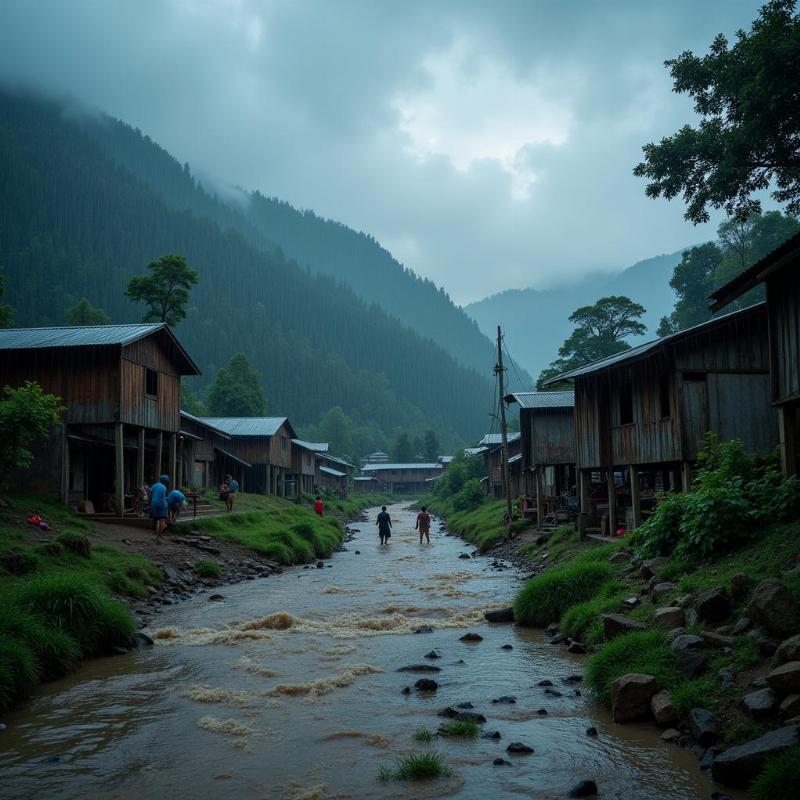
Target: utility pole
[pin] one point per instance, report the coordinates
(500, 372)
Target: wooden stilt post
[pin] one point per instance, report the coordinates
(159, 455)
(686, 476)
(140, 460)
(173, 459)
(65, 465)
(119, 470)
(788, 438)
(583, 516)
(539, 496)
(612, 502)
(636, 501)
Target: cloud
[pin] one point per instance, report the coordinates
(487, 145)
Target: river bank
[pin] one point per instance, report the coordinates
(99, 570)
(299, 687)
(717, 638)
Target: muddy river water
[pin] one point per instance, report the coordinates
(290, 688)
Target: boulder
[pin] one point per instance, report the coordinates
(576, 648)
(683, 601)
(620, 557)
(617, 624)
(663, 588)
(760, 704)
(717, 640)
(630, 696)
(670, 735)
(651, 565)
(790, 706)
(785, 679)
(661, 707)
(740, 583)
(630, 602)
(506, 646)
(713, 605)
(668, 617)
(773, 606)
(518, 748)
(742, 624)
(471, 637)
(591, 731)
(420, 668)
(552, 692)
(491, 735)
(704, 726)
(499, 615)
(432, 654)
(426, 685)
(686, 641)
(583, 789)
(501, 762)
(788, 650)
(506, 699)
(691, 663)
(462, 715)
(738, 766)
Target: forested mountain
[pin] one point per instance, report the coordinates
(536, 322)
(323, 245)
(76, 223)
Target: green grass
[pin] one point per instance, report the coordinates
(483, 527)
(460, 727)
(344, 509)
(208, 569)
(698, 693)
(780, 777)
(546, 597)
(580, 620)
(640, 651)
(423, 735)
(416, 767)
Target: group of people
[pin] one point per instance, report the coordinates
(227, 491)
(165, 505)
(423, 525)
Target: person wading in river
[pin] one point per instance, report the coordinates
(424, 524)
(384, 523)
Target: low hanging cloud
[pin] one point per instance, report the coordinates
(487, 146)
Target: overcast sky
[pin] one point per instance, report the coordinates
(488, 145)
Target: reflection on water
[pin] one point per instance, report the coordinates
(290, 689)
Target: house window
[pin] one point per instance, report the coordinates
(283, 444)
(151, 382)
(663, 397)
(626, 403)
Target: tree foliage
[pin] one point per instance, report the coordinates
(748, 136)
(431, 447)
(84, 313)
(236, 391)
(27, 415)
(601, 331)
(6, 312)
(402, 449)
(165, 291)
(190, 401)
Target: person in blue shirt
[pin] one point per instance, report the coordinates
(175, 499)
(233, 487)
(159, 510)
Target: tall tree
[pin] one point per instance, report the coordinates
(165, 291)
(6, 312)
(336, 428)
(402, 450)
(236, 391)
(600, 331)
(431, 447)
(748, 137)
(190, 401)
(84, 313)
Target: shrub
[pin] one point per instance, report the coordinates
(545, 598)
(470, 497)
(208, 569)
(417, 767)
(639, 651)
(18, 563)
(700, 692)
(423, 735)
(657, 536)
(75, 543)
(460, 727)
(780, 776)
(715, 517)
(19, 672)
(74, 605)
(579, 618)
(304, 530)
(52, 549)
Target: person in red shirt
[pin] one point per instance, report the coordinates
(319, 506)
(424, 524)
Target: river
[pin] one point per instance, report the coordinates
(289, 688)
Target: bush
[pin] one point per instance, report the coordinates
(700, 692)
(545, 598)
(304, 530)
(579, 618)
(208, 569)
(18, 563)
(19, 672)
(780, 777)
(657, 536)
(715, 518)
(417, 767)
(75, 543)
(641, 651)
(460, 727)
(470, 497)
(72, 604)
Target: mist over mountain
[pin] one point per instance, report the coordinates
(536, 321)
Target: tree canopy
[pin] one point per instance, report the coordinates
(402, 450)
(431, 447)
(165, 291)
(236, 391)
(84, 313)
(600, 331)
(748, 136)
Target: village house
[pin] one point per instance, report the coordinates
(780, 272)
(641, 415)
(121, 387)
(304, 465)
(265, 443)
(491, 445)
(403, 478)
(204, 457)
(333, 473)
(547, 436)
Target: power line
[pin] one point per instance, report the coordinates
(513, 364)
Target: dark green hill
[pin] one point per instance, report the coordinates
(74, 222)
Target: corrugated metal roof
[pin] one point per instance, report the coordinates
(514, 459)
(445, 459)
(75, 336)
(233, 457)
(474, 451)
(542, 399)
(647, 347)
(316, 447)
(373, 467)
(336, 460)
(497, 438)
(364, 478)
(335, 472)
(246, 426)
(198, 421)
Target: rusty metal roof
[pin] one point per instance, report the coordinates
(542, 399)
(247, 426)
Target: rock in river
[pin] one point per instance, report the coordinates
(519, 747)
(426, 685)
(432, 654)
(499, 615)
(471, 637)
(663, 711)
(506, 699)
(704, 726)
(216, 598)
(462, 716)
(420, 668)
(737, 766)
(501, 762)
(583, 789)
